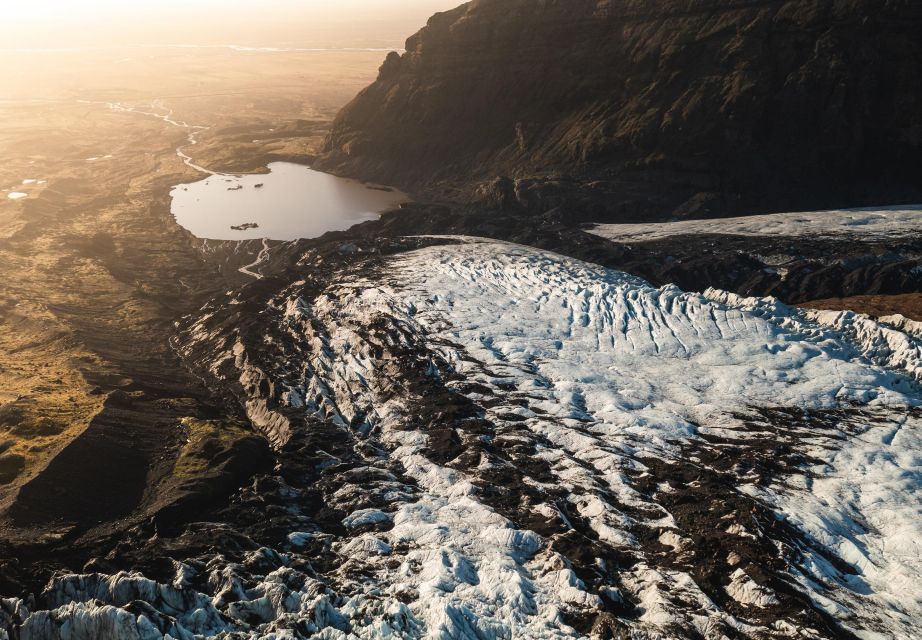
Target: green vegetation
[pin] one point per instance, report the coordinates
(206, 441)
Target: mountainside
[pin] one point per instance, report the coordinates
(649, 108)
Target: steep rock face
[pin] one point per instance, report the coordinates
(658, 106)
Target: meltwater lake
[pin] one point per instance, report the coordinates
(291, 201)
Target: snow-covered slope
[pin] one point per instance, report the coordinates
(865, 224)
(542, 448)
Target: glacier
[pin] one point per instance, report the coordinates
(897, 222)
(523, 445)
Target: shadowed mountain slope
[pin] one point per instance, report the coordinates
(629, 109)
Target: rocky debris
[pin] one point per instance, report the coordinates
(648, 109)
(489, 439)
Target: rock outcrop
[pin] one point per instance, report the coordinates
(633, 109)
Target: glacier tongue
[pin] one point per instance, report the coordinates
(544, 448)
(613, 368)
(882, 223)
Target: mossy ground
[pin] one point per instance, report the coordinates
(206, 439)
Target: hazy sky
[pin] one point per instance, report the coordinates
(44, 23)
(68, 9)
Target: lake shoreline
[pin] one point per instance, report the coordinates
(290, 201)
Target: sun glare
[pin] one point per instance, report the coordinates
(62, 23)
(58, 10)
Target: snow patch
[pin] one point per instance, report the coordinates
(893, 222)
(745, 590)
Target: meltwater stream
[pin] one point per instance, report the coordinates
(291, 201)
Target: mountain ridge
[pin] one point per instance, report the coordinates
(653, 109)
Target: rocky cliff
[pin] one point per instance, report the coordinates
(632, 109)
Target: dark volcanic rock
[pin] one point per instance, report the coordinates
(643, 108)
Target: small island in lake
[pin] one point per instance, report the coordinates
(245, 226)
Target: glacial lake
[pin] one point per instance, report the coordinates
(291, 201)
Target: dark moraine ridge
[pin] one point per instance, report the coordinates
(634, 109)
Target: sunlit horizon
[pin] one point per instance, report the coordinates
(67, 9)
(60, 23)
